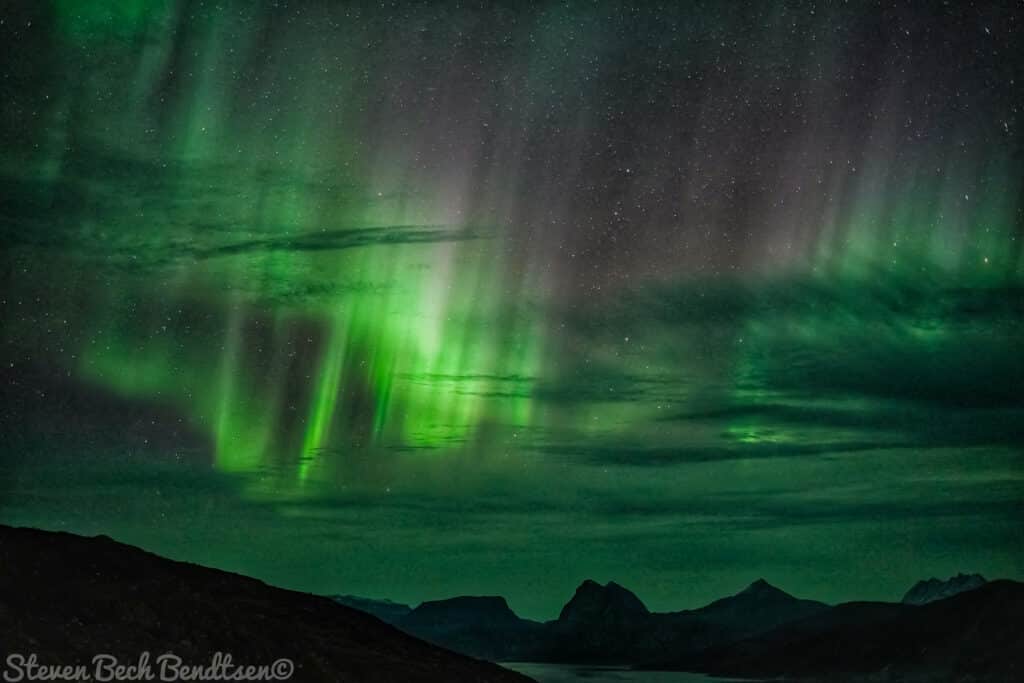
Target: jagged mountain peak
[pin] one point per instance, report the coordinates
(595, 601)
(933, 589)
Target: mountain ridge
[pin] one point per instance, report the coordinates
(66, 597)
(930, 590)
(763, 631)
(971, 636)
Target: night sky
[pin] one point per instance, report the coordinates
(417, 300)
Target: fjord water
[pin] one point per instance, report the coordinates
(574, 673)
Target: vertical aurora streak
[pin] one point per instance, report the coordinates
(519, 287)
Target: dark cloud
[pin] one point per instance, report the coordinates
(425, 299)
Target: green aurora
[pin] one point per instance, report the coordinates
(344, 298)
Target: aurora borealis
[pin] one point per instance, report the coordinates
(415, 300)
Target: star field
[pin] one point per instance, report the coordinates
(417, 300)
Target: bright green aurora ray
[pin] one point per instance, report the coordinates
(673, 294)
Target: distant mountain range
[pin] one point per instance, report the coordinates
(600, 624)
(972, 636)
(934, 589)
(385, 610)
(966, 631)
(67, 598)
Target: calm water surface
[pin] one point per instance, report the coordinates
(569, 673)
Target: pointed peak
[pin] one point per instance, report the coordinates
(760, 586)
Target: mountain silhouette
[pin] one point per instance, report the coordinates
(608, 604)
(600, 623)
(387, 611)
(610, 624)
(479, 626)
(759, 632)
(758, 607)
(933, 589)
(67, 598)
(971, 636)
